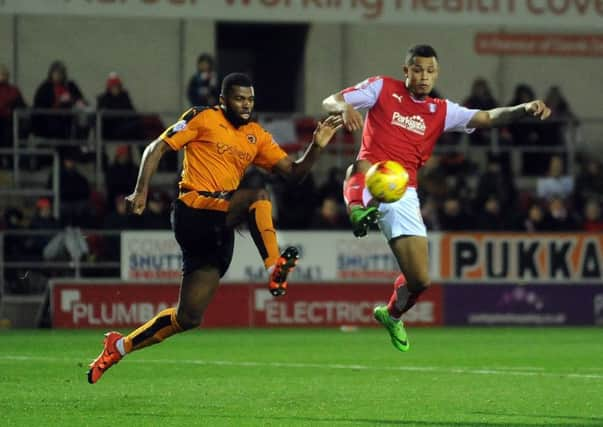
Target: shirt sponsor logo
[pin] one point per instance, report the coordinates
(414, 124)
(226, 149)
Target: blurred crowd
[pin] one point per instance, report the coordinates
(456, 192)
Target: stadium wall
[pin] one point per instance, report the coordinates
(156, 56)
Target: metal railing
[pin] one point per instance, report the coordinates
(27, 260)
(339, 153)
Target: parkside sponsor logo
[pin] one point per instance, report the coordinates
(414, 124)
(85, 313)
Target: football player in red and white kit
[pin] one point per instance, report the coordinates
(403, 124)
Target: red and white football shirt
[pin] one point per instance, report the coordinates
(399, 127)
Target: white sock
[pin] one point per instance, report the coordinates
(120, 346)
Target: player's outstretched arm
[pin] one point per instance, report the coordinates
(504, 115)
(335, 104)
(324, 132)
(137, 201)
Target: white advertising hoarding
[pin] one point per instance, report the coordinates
(325, 256)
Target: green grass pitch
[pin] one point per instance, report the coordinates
(451, 377)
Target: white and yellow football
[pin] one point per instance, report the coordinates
(387, 181)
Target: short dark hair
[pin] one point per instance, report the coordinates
(422, 50)
(206, 57)
(235, 79)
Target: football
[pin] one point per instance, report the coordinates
(386, 181)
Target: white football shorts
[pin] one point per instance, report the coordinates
(401, 218)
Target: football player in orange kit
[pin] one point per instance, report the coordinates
(219, 144)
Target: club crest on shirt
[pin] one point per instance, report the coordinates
(432, 108)
(414, 124)
(251, 139)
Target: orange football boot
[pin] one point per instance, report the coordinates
(108, 357)
(285, 265)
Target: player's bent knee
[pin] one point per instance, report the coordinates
(262, 194)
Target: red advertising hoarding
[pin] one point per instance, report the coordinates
(126, 305)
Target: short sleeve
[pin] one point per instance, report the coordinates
(457, 118)
(269, 152)
(365, 94)
(184, 130)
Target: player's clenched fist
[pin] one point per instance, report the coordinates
(538, 109)
(136, 202)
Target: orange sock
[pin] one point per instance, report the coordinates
(160, 327)
(263, 232)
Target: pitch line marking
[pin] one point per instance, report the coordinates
(520, 371)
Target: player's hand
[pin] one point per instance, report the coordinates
(538, 109)
(326, 129)
(352, 119)
(136, 202)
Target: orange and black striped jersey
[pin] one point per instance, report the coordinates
(216, 154)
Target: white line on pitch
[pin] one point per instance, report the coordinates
(507, 370)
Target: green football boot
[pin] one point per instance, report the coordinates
(362, 218)
(395, 328)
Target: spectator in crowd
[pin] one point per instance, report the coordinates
(453, 217)
(121, 174)
(74, 193)
(203, 85)
(43, 220)
(118, 122)
(429, 212)
(527, 132)
(15, 249)
(298, 200)
(490, 216)
(14, 245)
(558, 217)
(534, 220)
(480, 98)
(592, 217)
(496, 180)
(554, 131)
(555, 184)
(332, 186)
(10, 100)
(118, 218)
(63, 244)
(156, 216)
(59, 93)
(589, 183)
(329, 216)
(432, 177)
